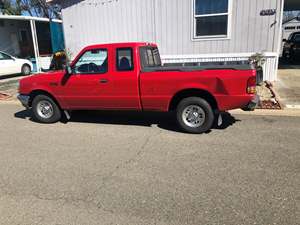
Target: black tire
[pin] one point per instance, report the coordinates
(207, 115)
(285, 56)
(54, 117)
(292, 58)
(26, 70)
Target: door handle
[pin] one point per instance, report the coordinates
(103, 81)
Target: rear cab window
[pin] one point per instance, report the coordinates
(124, 59)
(150, 57)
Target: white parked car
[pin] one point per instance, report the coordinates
(11, 65)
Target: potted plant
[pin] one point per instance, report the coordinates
(258, 60)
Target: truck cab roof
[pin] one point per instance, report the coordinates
(121, 45)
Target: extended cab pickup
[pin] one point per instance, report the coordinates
(130, 76)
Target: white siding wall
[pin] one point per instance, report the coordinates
(169, 23)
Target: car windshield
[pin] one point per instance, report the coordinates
(297, 38)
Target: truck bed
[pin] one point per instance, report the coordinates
(188, 67)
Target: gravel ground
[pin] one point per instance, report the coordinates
(9, 87)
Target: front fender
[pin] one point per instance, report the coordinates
(44, 90)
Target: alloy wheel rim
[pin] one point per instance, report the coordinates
(45, 109)
(193, 116)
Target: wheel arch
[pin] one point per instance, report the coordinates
(26, 64)
(37, 92)
(193, 92)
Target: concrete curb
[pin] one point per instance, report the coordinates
(267, 112)
(292, 106)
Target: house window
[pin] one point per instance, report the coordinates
(211, 18)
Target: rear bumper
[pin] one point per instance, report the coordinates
(252, 104)
(24, 99)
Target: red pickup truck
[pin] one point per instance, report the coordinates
(130, 76)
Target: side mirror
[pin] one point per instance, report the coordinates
(69, 70)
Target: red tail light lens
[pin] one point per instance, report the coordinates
(251, 85)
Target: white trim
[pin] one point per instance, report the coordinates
(211, 37)
(12, 17)
(35, 44)
(279, 38)
(212, 14)
(229, 25)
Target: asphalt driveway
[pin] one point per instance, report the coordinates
(128, 168)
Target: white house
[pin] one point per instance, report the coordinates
(185, 30)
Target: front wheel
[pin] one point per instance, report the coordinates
(45, 110)
(194, 115)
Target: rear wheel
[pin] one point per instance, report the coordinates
(26, 70)
(194, 115)
(45, 110)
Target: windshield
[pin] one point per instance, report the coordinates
(297, 38)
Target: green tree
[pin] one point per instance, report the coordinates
(38, 8)
(9, 8)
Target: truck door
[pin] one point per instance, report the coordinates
(88, 86)
(124, 78)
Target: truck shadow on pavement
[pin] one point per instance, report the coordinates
(164, 121)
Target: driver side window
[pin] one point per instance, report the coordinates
(93, 61)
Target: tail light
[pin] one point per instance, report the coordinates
(251, 85)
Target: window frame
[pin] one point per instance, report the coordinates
(117, 59)
(211, 37)
(100, 49)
